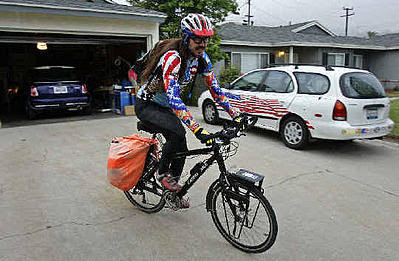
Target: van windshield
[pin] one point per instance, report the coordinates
(54, 75)
(361, 85)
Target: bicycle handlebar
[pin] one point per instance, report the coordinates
(233, 130)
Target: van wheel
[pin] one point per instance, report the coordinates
(295, 134)
(210, 112)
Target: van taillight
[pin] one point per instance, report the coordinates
(33, 91)
(84, 88)
(339, 113)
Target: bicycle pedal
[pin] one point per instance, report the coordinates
(172, 200)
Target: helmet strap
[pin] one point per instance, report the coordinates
(185, 43)
(185, 39)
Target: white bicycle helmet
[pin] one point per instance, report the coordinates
(196, 24)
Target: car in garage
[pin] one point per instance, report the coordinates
(304, 102)
(55, 88)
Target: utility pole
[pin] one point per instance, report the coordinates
(248, 21)
(347, 9)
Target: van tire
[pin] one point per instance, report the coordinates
(210, 113)
(295, 133)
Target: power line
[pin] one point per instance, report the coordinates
(347, 9)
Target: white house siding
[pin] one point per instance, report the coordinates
(32, 22)
(385, 65)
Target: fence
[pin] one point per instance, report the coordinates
(390, 84)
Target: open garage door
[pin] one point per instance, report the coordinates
(93, 57)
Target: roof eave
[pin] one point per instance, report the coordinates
(297, 30)
(307, 44)
(93, 12)
(393, 48)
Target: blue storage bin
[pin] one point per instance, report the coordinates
(125, 83)
(125, 101)
(120, 100)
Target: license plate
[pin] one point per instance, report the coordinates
(60, 89)
(372, 114)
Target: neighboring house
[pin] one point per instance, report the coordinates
(310, 42)
(89, 35)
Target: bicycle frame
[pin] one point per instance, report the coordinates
(233, 189)
(199, 169)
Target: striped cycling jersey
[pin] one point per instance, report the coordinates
(170, 65)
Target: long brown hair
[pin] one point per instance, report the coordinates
(160, 49)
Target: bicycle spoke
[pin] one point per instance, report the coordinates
(245, 220)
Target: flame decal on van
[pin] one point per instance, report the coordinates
(254, 105)
(261, 107)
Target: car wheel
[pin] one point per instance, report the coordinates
(295, 133)
(210, 112)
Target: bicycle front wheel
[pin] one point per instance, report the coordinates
(244, 217)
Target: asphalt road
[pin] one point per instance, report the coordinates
(333, 201)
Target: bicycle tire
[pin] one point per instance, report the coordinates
(148, 185)
(272, 227)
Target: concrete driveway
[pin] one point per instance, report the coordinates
(334, 201)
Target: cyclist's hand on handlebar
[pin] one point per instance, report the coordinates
(205, 137)
(241, 121)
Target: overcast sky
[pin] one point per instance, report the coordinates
(381, 16)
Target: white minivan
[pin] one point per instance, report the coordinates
(308, 101)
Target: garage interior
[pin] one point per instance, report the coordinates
(93, 56)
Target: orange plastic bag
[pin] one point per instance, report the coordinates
(126, 160)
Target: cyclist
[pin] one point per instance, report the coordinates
(170, 66)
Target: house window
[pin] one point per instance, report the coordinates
(246, 61)
(337, 59)
(236, 60)
(358, 61)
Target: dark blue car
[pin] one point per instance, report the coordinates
(55, 88)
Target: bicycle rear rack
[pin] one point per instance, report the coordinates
(248, 177)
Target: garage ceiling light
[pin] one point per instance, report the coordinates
(41, 45)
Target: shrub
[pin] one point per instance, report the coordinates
(228, 75)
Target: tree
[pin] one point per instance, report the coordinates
(371, 34)
(215, 10)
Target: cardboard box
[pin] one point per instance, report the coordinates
(129, 110)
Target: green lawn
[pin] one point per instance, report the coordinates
(394, 115)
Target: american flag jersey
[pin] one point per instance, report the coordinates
(170, 66)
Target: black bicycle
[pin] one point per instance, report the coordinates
(235, 200)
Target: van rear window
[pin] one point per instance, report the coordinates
(359, 85)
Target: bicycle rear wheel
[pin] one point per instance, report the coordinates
(244, 217)
(147, 195)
